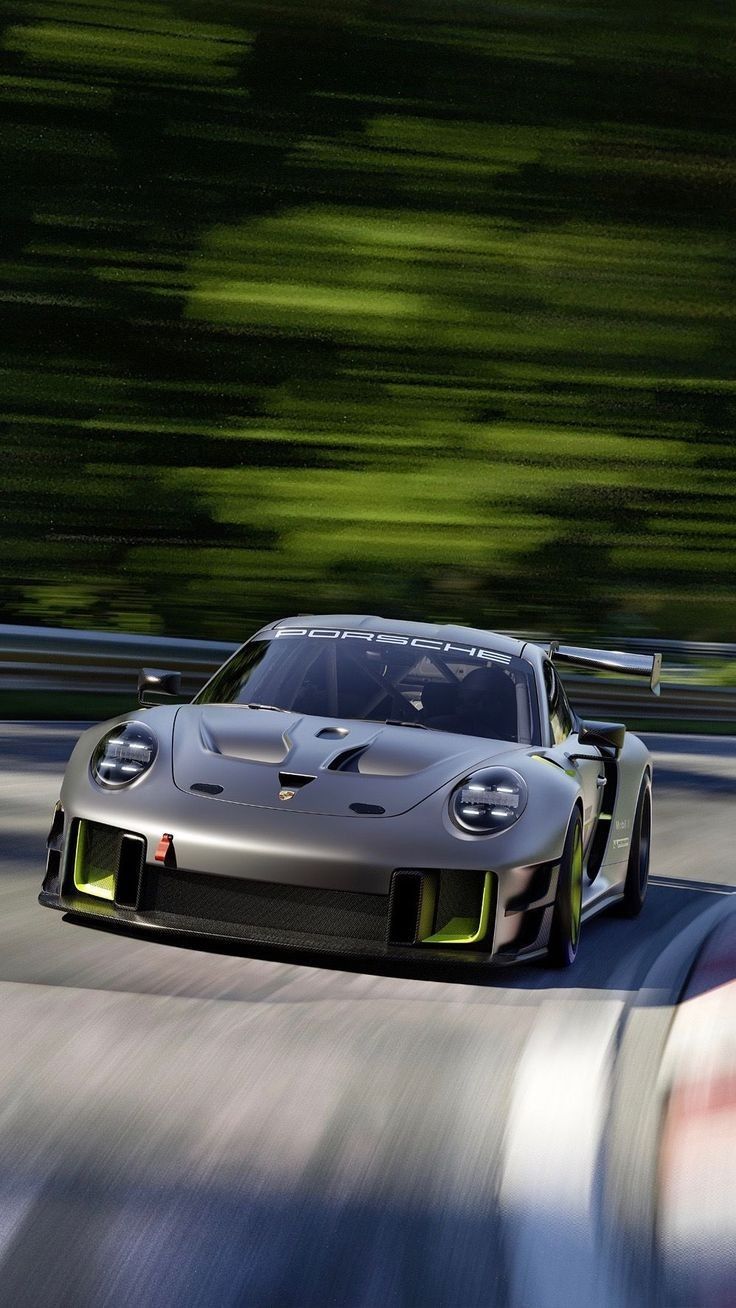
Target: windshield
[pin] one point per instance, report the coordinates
(370, 676)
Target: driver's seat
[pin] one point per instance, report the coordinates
(439, 699)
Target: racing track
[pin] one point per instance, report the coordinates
(181, 1128)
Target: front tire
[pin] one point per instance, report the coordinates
(637, 871)
(564, 934)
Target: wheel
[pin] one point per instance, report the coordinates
(565, 932)
(637, 872)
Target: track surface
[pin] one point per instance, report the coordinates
(183, 1128)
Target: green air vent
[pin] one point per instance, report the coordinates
(458, 930)
(108, 863)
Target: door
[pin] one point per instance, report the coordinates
(588, 764)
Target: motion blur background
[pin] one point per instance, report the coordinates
(423, 309)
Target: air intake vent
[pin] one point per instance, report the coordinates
(333, 916)
(130, 871)
(295, 780)
(107, 862)
(348, 760)
(411, 906)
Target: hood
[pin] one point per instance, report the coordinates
(337, 768)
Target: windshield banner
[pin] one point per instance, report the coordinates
(385, 638)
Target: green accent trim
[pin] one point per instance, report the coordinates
(79, 856)
(464, 930)
(576, 887)
(459, 930)
(85, 878)
(569, 772)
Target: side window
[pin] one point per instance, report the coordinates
(560, 714)
(566, 713)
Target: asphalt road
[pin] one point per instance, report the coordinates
(181, 1128)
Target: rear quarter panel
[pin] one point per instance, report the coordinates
(633, 761)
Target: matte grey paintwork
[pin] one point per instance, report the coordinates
(244, 750)
(314, 838)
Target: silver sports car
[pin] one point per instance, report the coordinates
(358, 786)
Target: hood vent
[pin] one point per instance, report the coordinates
(294, 780)
(348, 760)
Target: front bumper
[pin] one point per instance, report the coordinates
(105, 874)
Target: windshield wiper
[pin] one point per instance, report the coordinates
(402, 722)
(274, 708)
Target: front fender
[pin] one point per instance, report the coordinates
(78, 781)
(539, 835)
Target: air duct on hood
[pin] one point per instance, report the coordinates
(295, 780)
(348, 760)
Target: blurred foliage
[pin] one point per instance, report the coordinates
(710, 672)
(421, 309)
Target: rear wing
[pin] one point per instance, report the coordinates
(631, 665)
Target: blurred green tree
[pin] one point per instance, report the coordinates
(418, 310)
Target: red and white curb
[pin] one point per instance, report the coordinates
(696, 1208)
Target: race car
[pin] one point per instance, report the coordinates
(351, 785)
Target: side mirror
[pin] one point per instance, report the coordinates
(153, 681)
(609, 735)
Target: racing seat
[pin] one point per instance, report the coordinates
(496, 711)
(485, 706)
(439, 699)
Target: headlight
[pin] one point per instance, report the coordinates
(489, 801)
(124, 754)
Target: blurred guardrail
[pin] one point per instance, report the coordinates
(98, 662)
(40, 663)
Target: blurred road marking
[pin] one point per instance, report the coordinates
(701, 886)
(553, 1141)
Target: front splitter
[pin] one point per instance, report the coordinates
(238, 938)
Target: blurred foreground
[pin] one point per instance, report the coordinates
(181, 1128)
